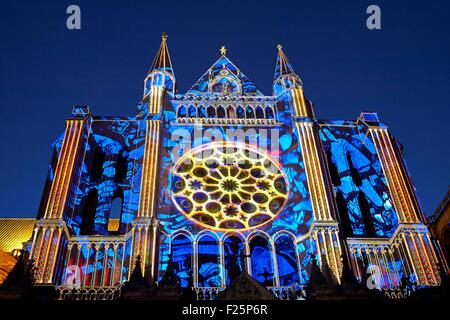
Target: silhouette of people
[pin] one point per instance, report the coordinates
(236, 265)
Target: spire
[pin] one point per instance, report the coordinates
(170, 277)
(162, 60)
(284, 76)
(136, 279)
(348, 279)
(161, 72)
(283, 66)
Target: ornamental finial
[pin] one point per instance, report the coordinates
(223, 51)
(279, 46)
(164, 36)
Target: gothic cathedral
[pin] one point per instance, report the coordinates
(222, 180)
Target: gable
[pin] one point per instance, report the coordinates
(224, 78)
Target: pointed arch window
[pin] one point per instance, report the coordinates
(211, 112)
(181, 112)
(230, 112)
(157, 79)
(192, 112)
(269, 113)
(240, 112)
(221, 112)
(259, 113)
(249, 113)
(286, 260)
(201, 111)
(208, 262)
(182, 258)
(233, 249)
(261, 258)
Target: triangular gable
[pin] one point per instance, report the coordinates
(223, 66)
(244, 287)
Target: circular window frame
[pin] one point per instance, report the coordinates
(192, 153)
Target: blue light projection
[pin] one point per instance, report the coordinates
(350, 148)
(208, 264)
(223, 92)
(286, 260)
(261, 258)
(234, 257)
(182, 258)
(225, 75)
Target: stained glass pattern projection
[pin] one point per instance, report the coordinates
(228, 187)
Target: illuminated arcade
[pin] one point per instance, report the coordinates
(173, 190)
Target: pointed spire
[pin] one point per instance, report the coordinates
(161, 72)
(316, 277)
(348, 279)
(284, 76)
(162, 60)
(136, 278)
(283, 66)
(327, 273)
(170, 277)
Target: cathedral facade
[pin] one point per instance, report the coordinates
(223, 179)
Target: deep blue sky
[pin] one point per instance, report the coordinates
(402, 71)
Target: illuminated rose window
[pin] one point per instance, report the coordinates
(228, 187)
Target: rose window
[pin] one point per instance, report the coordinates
(228, 187)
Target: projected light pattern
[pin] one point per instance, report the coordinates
(182, 257)
(234, 254)
(209, 273)
(286, 260)
(265, 204)
(359, 170)
(228, 187)
(261, 258)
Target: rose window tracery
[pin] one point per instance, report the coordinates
(228, 187)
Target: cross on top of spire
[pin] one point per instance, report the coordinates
(162, 59)
(223, 50)
(284, 76)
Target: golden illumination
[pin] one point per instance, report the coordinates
(15, 231)
(225, 186)
(397, 185)
(316, 184)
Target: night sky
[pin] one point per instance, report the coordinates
(401, 71)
